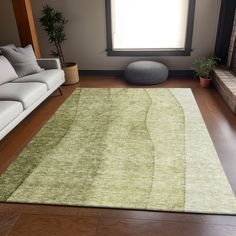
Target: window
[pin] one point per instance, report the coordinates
(149, 27)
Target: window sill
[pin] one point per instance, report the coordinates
(148, 53)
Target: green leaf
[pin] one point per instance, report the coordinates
(204, 66)
(53, 22)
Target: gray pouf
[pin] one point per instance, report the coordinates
(146, 73)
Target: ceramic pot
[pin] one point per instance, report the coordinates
(205, 82)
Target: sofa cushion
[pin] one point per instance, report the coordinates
(49, 77)
(26, 93)
(22, 59)
(7, 46)
(9, 110)
(7, 71)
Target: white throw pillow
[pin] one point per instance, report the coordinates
(22, 59)
(7, 72)
(7, 46)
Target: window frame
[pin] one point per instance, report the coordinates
(188, 42)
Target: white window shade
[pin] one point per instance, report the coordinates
(149, 24)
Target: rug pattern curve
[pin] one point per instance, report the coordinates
(123, 148)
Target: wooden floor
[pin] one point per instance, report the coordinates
(48, 220)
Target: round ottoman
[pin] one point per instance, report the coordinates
(146, 73)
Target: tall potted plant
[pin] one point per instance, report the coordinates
(54, 23)
(204, 69)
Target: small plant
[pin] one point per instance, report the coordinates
(54, 23)
(204, 67)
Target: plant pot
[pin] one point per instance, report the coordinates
(205, 82)
(71, 73)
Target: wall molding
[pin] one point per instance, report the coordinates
(172, 73)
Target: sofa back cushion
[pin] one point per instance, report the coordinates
(22, 59)
(7, 46)
(7, 72)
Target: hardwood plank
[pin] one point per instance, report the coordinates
(29, 225)
(6, 222)
(117, 227)
(116, 213)
(49, 210)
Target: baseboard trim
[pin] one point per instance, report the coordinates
(181, 74)
(172, 73)
(101, 72)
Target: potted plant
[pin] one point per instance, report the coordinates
(54, 23)
(204, 68)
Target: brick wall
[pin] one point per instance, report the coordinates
(233, 37)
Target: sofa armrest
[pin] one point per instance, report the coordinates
(49, 63)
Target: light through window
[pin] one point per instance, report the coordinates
(149, 25)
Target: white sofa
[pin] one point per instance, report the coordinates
(20, 97)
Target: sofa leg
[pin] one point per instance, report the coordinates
(60, 90)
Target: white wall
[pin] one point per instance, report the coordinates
(86, 33)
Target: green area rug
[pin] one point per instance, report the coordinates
(145, 149)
